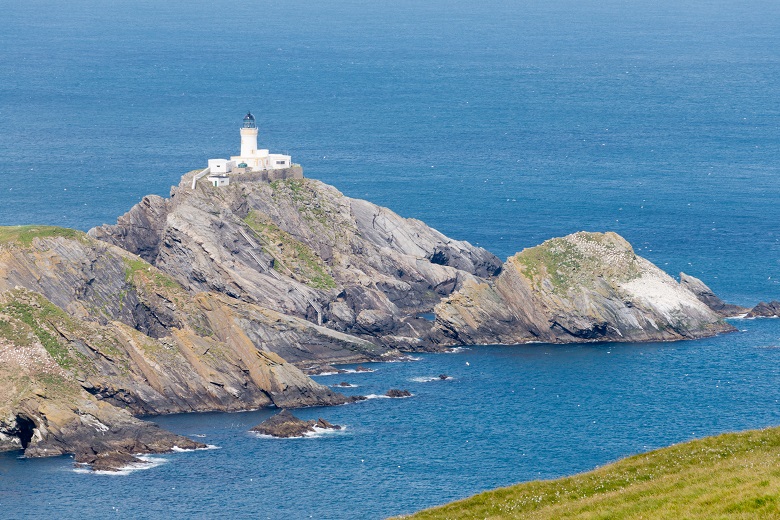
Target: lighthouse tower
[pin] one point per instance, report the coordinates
(249, 136)
(252, 159)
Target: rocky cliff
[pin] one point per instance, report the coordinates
(302, 248)
(582, 287)
(44, 409)
(214, 298)
(119, 333)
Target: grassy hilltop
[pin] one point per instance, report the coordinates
(735, 475)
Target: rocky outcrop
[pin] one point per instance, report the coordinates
(396, 393)
(708, 297)
(45, 412)
(765, 310)
(582, 287)
(301, 248)
(138, 339)
(91, 333)
(285, 425)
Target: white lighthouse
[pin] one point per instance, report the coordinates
(255, 159)
(249, 136)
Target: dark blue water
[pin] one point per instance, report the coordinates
(500, 122)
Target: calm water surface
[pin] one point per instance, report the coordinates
(501, 122)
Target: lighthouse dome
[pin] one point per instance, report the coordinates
(249, 120)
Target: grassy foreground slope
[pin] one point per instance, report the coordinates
(735, 475)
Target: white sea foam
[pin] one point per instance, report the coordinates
(176, 449)
(456, 350)
(318, 432)
(345, 371)
(376, 396)
(403, 359)
(427, 379)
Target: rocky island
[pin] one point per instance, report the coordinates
(217, 297)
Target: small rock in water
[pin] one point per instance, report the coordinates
(322, 423)
(443, 376)
(108, 461)
(344, 383)
(286, 425)
(322, 369)
(361, 368)
(765, 310)
(394, 392)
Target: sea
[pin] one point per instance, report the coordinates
(500, 122)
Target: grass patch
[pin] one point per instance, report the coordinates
(730, 476)
(291, 256)
(35, 315)
(576, 261)
(24, 235)
(17, 335)
(137, 270)
(557, 260)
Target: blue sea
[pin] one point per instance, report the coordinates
(503, 123)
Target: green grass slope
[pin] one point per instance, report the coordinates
(734, 476)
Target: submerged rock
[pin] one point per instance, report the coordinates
(394, 392)
(286, 425)
(443, 376)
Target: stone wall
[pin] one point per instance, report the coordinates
(293, 172)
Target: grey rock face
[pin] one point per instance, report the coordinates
(45, 411)
(583, 287)
(303, 249)
(706, 296)
(135, 338)
(765, 310)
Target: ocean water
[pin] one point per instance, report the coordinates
(503, 123)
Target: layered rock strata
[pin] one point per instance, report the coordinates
(46, 412)
(111, 334)
(302, 248)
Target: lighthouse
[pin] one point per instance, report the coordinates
(253, 158)
(261, 164)
(249, 136)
